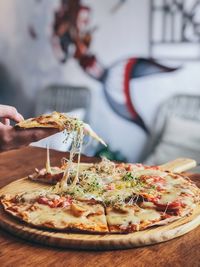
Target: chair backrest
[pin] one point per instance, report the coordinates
(182, 106)
(63, 98)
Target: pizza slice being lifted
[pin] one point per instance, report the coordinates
(61, 122)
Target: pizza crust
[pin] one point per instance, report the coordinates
(54, 120)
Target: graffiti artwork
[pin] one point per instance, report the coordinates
(73, 33)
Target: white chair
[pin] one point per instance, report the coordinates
(63, 98)
(185, 110)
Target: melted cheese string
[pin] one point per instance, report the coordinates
(79, 129)
(66, 173)
(77, 141)
(48, 166)
(79, 158)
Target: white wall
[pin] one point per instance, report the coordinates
(7, 31)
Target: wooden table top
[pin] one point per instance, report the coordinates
(182, 251)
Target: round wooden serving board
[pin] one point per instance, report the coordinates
(91, 241)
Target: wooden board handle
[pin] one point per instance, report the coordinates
(179, 165)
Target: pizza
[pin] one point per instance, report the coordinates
(74, 128)
(107, 198)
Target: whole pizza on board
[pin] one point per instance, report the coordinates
(105, 197)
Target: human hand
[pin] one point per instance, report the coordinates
(11, 138)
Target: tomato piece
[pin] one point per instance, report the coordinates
(110, 186)
(120, 165)
(60, 202)
(153, 180)
(153, 199)
(175, 205)
(51, 204)
(150, 198)
(67, 201)
(43, 200)
(166, 216)
(55, 203)
(151, 167)
(158, 179)
(128, 167)
(160, 188)
(65, 204)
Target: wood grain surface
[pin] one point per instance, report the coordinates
(182, 251)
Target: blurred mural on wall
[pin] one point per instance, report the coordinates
(72, 37)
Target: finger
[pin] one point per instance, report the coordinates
(21, 118)
(10, 113)
(6, 121)
(5, 127)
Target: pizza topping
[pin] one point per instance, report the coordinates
(129, 177)
(133, 185)
(43, 200)
(175, 205)
(120, 209)
(29, 197)
(152, 167)
(55, 201)
(77, 210)
(42, 175)
(110, 186)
